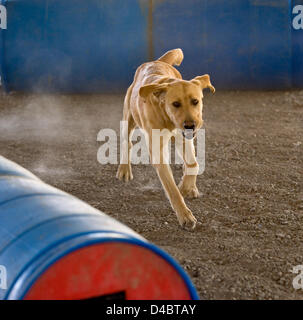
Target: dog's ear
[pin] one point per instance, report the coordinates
(204, 82)
(155, 89)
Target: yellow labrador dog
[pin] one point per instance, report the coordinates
(160, 99)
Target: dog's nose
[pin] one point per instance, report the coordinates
(189, 125)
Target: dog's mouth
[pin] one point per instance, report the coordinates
(189, 134)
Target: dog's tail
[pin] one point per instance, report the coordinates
(172, 57)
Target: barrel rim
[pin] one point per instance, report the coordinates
(32, 271)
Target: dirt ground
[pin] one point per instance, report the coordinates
(251, 209)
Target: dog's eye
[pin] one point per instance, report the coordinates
(176, 104)
(195, 102)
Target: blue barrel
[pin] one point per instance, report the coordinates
(96, 45)
(55, 246)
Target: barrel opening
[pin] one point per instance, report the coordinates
(117, 296)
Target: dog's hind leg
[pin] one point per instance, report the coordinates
(172, 57)
(128, 125)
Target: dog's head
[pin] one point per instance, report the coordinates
(182, 101)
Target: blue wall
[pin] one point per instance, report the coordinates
(241, 44)
(96, 45)
(297, 46)
(73, 45)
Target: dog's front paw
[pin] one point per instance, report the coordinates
(189, 191)
(124, 172)
(186, 219)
